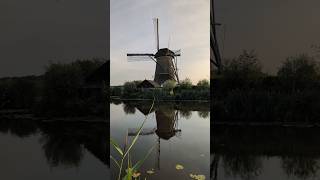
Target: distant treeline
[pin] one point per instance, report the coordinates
(62, 90)
(170, 91)
(243, 93)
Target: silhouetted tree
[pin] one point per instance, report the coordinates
(299, 71)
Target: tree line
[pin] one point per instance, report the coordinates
(242, 92)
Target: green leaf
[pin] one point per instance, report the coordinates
(115, 161)
(140, 162)
(138, 133)
(116, 146)
(129, 174)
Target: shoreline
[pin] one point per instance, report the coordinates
(267, 124)
(157, 100)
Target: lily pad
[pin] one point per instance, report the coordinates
(136, 174)
(151, 171)
(198, 177)
(179, 167)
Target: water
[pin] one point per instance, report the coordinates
(179, 132)
(262, 153)
(53, 150)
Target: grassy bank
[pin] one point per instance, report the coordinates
(170, 91)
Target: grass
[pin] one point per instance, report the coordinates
(124, 153)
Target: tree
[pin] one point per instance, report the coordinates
(299, 67)
(245, 67)
(299, 71)
(203, 84)
(186, 84)
(169, 85)
(129, 87)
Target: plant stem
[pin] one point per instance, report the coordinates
(120, 172)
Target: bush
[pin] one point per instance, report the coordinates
(242, 70)
(169, 85)
(185, 84)
(298, 72)
(62, 87)
(203, 84)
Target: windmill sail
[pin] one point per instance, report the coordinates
(156, 32)
(165, 59)
(140, 57)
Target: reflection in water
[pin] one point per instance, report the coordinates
(63, 143)
(249, 152)
(165, 122)
(167, 116)
(62, 150)
(301, 167)
(18, 127)
(245, 166)
(166, 127)
(203, 114)
(129, 109)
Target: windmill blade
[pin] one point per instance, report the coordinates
(156, 32)
(140, 57)
(177, 52)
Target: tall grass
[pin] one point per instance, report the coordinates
(124, 154)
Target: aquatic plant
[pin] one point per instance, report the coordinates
(131, 170)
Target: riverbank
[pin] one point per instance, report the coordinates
(160, 100)
(25, 114)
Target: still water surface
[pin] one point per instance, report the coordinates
(264, 153)
(180, 134)
(53, 150)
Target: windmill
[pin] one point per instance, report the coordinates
(216, 59)
(165, 59)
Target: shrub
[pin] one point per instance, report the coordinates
(185, 84)
(203, 84)
(298, 71)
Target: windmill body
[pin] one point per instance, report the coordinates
(165, 68)
(165, 59)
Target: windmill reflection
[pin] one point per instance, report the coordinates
(166, 125)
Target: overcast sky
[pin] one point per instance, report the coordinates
(275, 29)
(33, 32)
(184, 22)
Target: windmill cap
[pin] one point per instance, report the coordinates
(164, 52)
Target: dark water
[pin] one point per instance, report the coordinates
(53, 150)
(263, 153)
(180, 133)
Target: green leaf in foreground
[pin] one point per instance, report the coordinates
(116, 146)
(140, 162)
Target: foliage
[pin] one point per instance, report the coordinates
(170, 91)
(298, 71)
(203, 84)
(245, 67)
(124, 154)
(115, 91)
(129, 88)
(62, 87)
(185, 84)
(169, 85)
(247, 95)
(20, 92)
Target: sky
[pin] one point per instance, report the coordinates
(274, 29)
(35, 32)
(183, 24)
